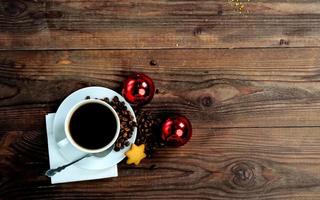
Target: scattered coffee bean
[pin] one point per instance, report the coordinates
(106, 100)
(147, 132)
(153, 62)
(127, 124)
(152, 167)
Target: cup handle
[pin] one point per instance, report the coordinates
(67, 149)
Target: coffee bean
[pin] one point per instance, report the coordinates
(126, 122)
(145, 132)
(152, 167)
(115, 99)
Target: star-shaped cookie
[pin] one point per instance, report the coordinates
(135, 154)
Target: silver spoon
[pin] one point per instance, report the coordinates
(52, 172)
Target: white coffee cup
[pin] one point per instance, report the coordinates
(69, 138)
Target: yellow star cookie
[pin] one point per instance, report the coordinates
(135, 154)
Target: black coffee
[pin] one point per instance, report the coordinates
(93, 126)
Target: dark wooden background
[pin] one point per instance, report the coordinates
(250, 84)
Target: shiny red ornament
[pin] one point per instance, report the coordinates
(176, 131)
(138, 89)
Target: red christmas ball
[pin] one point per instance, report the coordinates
(176, 131)
(138, 89)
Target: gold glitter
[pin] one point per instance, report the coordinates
(239, 5)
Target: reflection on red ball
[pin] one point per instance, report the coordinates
(176, 131)
(138, 89)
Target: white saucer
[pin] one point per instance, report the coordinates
(69, 152)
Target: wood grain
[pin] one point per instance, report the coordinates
(214, 88)
(245, 163)
(149, 24)
(249, 83)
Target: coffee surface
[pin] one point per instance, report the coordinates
(93, 126)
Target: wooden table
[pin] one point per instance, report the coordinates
(249, 82)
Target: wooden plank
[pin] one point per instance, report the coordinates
(149, 24)
(245, 163)
(215, 88)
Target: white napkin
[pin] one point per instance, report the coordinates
(71, 173)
